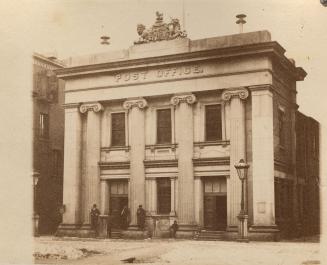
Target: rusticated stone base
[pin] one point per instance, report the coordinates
(255, 233)
(134, 233)
(68, 230)
(264, 233)
(75, 230)
(186, 231)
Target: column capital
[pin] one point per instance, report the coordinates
(240, 92)
(187, 98)
(94, 106)
(141, 103)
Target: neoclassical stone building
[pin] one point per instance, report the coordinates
(163, 123)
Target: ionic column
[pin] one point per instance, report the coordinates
(172, 197)
(72, 165)
(236, 99)
(137, 153)
(263, 156)
(92, 180)
(184, 135)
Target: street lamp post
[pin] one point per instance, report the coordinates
(242, 169)
(36, 177)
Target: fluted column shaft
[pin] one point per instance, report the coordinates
(184, 135)
(72, 166)
(137, 154)
(236, 98)
(92, 179)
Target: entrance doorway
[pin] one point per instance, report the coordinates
(215, 212)
(118, 200)
(215, 204)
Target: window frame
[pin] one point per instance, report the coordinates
(159, 201)
(171, 125)
(205, 121)
(281, 126)
(44, 128)
(111, 128)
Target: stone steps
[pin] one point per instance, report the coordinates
(211, 236)
(116, 234)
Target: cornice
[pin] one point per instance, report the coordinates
(160, 163)
(114, 165)
(216, 161)
(70, 105)
(272, 48)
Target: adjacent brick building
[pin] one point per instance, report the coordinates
(48, 141)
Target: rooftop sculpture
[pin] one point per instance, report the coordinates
(160, 30)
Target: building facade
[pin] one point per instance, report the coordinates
(307, 172)
(48, 141)
(162, 125)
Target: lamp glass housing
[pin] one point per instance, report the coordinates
(242, 169)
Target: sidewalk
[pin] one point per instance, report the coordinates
(160, 251)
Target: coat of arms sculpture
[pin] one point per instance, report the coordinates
(160, 30)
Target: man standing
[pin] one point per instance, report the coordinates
(95, 218)
(140, 217)
(173, 229)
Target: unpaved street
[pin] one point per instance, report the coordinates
(173, 252)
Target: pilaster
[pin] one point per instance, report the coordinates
(184, 134)
(135, 107)
(263, 157)
(236, 99)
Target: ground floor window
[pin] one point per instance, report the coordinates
(164, 195)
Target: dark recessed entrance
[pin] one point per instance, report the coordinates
(118, 199)
(215, 204)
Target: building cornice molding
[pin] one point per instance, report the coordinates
(240, 92)
(140, 103)
(216, 161)
(160, 163)
(93, 106)
(186, 98)
(71, 105)
(266, 48)
(114, 165)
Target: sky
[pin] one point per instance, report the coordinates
(71, 28)
(74, 27)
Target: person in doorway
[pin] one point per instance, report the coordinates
(95, 218)
(173, 229)
(140, 214)
(124, 217)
